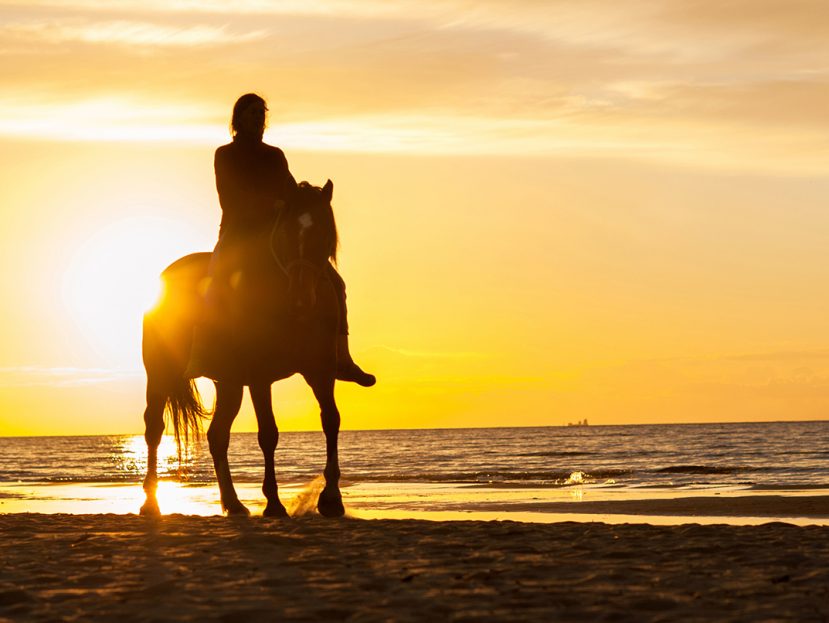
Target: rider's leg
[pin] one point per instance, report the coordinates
(347, 370)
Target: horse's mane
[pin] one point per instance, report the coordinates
(308, 194)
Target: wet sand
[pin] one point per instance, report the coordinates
(736, 506)
(727, 506)
(189, 568)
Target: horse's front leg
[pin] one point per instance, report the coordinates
(260, 395)
(228, 401)
(330, 503)
(153, 430)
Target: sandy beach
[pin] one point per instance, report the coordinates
(187, 568)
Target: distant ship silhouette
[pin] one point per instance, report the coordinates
(579, 423)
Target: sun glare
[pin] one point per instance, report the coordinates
(113, 278)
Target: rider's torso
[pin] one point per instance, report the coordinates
(251, 179)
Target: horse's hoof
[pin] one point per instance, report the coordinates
(275, 510)
(236, 509)
(150, 508)
(330, 503)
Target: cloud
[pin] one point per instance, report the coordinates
(739, 86)
(754, 387)
(36, 376)
(797, 357)
(357, 8)
(804, 373)
(107, 119)
(715, 144)
(438, 355)
(123, 33)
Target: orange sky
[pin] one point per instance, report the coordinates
(549, 211)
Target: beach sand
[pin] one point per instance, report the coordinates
(806, 507)
(189, 568)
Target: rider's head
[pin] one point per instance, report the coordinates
(248, 119)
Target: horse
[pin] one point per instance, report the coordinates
(303, 340)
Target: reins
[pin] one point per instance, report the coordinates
(293, 263)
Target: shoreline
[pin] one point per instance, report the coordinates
(191, 568)
(735, 506)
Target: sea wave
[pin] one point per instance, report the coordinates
(756, 455)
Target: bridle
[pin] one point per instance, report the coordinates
(293, 264)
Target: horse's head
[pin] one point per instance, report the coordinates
(306, 240)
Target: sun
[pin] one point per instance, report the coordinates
(112, 278)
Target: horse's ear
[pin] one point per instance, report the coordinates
(328, 190)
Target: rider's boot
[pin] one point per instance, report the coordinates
(347, 370)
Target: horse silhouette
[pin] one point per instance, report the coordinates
(295, 329)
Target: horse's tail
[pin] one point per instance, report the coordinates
(166, 348)
(185, 411)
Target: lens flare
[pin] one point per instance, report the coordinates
(113, 278)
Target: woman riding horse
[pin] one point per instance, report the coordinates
(274, 306)
(253, 182)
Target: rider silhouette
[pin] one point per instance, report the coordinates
(253, 182)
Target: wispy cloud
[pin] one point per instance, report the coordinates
(421, 354)
(360, 8)
(789, 369)
(35, 376)
(714, 145)
(763, 386)
(108, 119)
(741, 86)
(124, 33)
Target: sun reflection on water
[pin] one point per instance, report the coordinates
(131, 458)
(84, 498)
(577, 493)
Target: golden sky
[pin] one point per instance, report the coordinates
(549, 210)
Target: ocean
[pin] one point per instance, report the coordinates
(431, 469)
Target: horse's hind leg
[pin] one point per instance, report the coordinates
(153, 430)
(330, 503)
(260, 395)
(228, 401)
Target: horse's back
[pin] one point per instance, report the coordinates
(168, 326)
(192, 265)
(279, 341)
